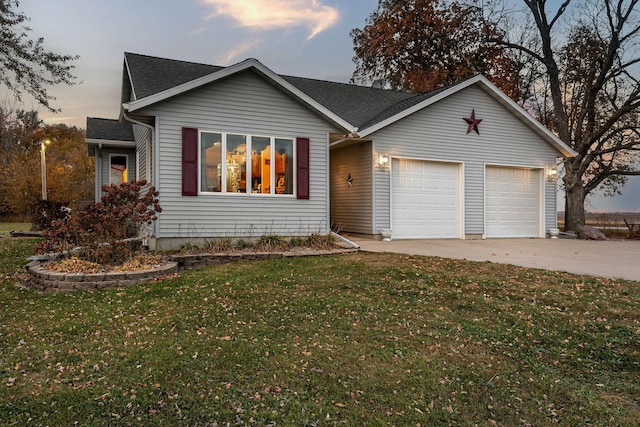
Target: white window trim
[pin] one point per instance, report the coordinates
(249, 178)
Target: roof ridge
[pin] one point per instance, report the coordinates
(284, 76)
(173, 60)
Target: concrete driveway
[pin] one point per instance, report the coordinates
(615, 258)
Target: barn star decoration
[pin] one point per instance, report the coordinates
(472, 122)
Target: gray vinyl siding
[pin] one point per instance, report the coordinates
(352, 206)
(245, 104)
(104, 166)
(551, 215)
(142, 136)
(381, 200)
(438, 132)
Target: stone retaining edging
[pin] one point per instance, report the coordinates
(45, 280)
(188, 261)
(50, 281)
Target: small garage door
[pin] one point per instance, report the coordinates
(512, 202)
(425, 199)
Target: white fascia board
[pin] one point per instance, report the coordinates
(133, 90)
(110, 143)
(229, 71)
(497, 94)
(526, 117)
(415, 108)
(304, 97)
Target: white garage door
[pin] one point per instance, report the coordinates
(512, 202)
(424, 199)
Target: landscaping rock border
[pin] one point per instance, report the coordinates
(45, 280)
(187, 261)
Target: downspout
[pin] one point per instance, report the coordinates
(98, 183)
(154, 172)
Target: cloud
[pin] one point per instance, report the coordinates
(235, 52)
(270, 14)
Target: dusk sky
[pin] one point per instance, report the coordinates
(307, 38)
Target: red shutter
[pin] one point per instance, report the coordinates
(302, 170)
(189, 162)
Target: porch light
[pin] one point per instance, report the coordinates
(552, 172)
(383, 160)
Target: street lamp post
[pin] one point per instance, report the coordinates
(43, 166)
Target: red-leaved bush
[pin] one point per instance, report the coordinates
(99, 233)
(47, 212)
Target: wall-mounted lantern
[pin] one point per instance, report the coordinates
(383, 160)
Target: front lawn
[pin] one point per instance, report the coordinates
(360, 339)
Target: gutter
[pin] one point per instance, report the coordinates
(136, 122)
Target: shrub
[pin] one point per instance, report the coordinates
(99, 232)
(218, 245)
(318, 241)
(48, 211)
(270, 242)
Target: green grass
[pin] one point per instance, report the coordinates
(361, 339)
(7, 227)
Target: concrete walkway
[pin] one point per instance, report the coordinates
(615, 258)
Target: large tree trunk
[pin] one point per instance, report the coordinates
(574, 216)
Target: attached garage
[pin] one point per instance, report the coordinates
(513, 202)
(425, 199)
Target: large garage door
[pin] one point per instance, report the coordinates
(424, 199)
(512, 202)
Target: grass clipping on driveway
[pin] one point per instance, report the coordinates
(361, 339)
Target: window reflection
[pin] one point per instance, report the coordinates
(236, 162)
(284, 166)
(250, 164)
(260, 164)
(211, 155)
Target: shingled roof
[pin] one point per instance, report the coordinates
(357, 105)
(150, 75)
(358, 109)
(109, 130)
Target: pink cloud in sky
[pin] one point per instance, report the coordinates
(271, 14)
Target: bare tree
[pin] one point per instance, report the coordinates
(585, 84)
(25, 65)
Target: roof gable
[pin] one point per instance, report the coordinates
(420, 102)
(249, 64)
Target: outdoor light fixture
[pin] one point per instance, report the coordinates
(43, 166)
(383, 160)
(552, 172)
